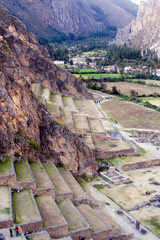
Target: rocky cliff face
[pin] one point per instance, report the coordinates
(144, 31)
(78, 17)
(25, 124)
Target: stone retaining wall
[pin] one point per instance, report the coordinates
(43, 191)
(102, 154)
(124, 236)
(8, 179)
(64, 196)
(87, 232)
(32, 226)
(6, 224)
(58, 231)
(101, 235)
(138, 165)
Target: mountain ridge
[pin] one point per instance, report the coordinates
(143, 32)
(79, 17)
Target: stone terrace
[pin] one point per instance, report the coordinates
(26, 212)
(62, 190)
(78, 193)
(77, 225)
(53, 221)
(43, 182)
(6, 219)
(101, 230)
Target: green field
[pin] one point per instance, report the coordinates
(103, 75)
(6, 166)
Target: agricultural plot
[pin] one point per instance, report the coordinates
(107, 125)
(42, 179)
(22, 171)
(152, 82)
(155, 102)
(45, 94)
(126, 88)
(36, 87)
(80, 122)
(100, 76)
(6, 167)
(88, 140)
(68, 102)
(78, 192)
(53, 108)
(92, 218)
(4, 203)
(57, 98)
(38, 236)
(130, 115)
(74, 219)
(88, 107)
(95, 125)
(24, 207)
(67, 116)
(56, 178)
(49, 211)
(111, 145)
(131, 195)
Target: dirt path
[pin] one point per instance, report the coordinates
(123, 221)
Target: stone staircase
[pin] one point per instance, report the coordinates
(55, 206)
(84, 118)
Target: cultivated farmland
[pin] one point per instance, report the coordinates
(130, 115)
(126, 87)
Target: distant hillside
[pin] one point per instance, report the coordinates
(71, 18)
(127, 5)
(143, 32)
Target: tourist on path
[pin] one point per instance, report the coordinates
(11, 234)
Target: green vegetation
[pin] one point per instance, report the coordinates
(24, 207)
(42, 180)
(5, 166)
(34, 144)
(154, 224)
(21, 133)
(73, 218)
(22, 171)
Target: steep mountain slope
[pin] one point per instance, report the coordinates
(78, 17)
(144, 31)
(25, 124)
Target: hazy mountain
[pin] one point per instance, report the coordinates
(78, 17)
(144, 30)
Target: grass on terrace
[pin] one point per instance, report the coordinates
(38, 236)
(73, 218)
(24, 207)
(88, 107)
(48, 211)
(22, 171)
(56, 178)
(96, 223)
(78, 192)
(130, 115)
(6, 167)
(112, 145)
(4, 203)
(68, 102)
(42, 179)
(80, 122)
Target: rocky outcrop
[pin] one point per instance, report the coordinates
(72, 17)
(26, 126)
(144, 31)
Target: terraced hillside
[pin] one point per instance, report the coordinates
(38, 209)
(85, 118)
